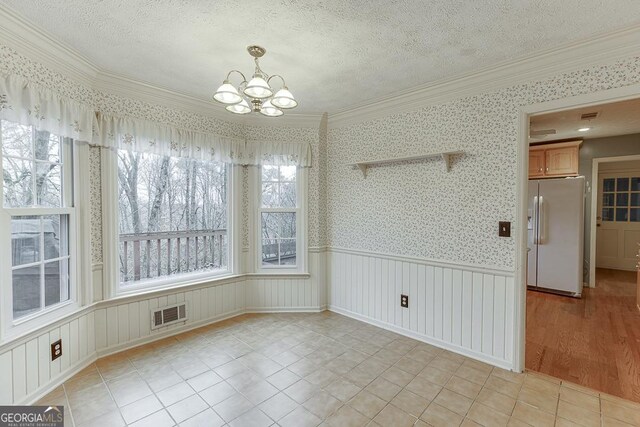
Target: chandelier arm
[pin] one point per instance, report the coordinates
(284, 84)
(244, 79)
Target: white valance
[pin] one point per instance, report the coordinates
(150, 137)
(132, 134)
(28, 104)
(284, 153)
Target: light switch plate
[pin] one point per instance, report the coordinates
(505, 229)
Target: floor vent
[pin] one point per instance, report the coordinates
(168, 315)
(588, 116)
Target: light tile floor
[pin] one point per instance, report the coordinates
(319, 369)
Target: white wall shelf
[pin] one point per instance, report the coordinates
(445, 156)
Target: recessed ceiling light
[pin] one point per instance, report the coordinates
(583, 129)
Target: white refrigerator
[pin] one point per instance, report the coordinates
(556, 235)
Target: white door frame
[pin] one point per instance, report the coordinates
(595, 182)
(522, 163)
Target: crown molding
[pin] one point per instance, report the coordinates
(37, 45)
(581, 54)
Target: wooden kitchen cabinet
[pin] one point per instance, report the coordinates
(554, 160)
(536, 163)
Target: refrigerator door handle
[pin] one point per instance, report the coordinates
(535, 220)
(541, 220)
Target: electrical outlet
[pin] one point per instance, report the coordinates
(56, 350)
(404, 301)
(504, 229)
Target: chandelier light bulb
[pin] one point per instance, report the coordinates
(269, 110)
(284, 99)
(227, 94)
(240, 108)
(258, 88)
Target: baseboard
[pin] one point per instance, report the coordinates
(32, 398)
(504, 364)
(285, 309)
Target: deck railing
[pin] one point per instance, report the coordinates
(277, 251)
(148, 255)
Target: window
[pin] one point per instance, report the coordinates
(172, 218)
(37, 206)
(279, 216)
(621, 199)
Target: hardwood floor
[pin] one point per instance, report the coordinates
(593, 341)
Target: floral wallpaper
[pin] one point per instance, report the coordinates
(321, 199)
(95, 199)
(245, 207)
(13, 63)
(417, 208)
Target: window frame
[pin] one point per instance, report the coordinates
(301, 225)
(73, 155)
(615, 207)
(111, 238)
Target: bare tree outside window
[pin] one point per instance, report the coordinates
(173, 216)
(32, 177)
(278, 214)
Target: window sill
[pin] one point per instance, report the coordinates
(37, 321)
(172, 287)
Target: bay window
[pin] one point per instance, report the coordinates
(172, 219)
(37, 219)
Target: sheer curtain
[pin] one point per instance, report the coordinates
(29, 104)
(132, 134)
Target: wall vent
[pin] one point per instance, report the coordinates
(588, 116)
(168, 315)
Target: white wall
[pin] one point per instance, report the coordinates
(462, 308)
(26, 369)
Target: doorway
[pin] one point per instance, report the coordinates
(594, 340)
(617, 212)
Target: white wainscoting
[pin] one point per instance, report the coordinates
(26, 369)
(304, 292)
(125, 325)
(466, 309)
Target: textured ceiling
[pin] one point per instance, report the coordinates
(334, 53)
(616, 118)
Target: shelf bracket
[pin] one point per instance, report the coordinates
(447, 161)
(363, 169)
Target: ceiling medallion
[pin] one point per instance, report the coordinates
(258, 96)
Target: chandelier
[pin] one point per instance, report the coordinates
(258, 96)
